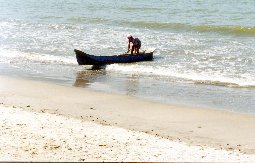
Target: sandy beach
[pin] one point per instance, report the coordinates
(48, 122)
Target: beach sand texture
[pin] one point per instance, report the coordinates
(31, 136)
(159, 132)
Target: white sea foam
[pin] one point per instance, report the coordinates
(14, 56)
(208, 77)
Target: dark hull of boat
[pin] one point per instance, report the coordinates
(86, 59)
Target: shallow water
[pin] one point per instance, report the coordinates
(205, 50)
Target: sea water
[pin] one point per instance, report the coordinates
(205, 49)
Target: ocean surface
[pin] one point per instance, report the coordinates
(205, 53)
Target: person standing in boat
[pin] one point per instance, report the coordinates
(136, 44)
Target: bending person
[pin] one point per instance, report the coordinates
(136, 44)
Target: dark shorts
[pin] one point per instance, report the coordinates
(137, 43)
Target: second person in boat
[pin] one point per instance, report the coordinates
(136, 44)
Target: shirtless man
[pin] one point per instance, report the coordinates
(136, 44)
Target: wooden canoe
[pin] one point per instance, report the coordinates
(87, 59)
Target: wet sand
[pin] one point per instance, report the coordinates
(193, 126)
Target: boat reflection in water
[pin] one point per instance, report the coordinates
(85, 77)
(98, 78)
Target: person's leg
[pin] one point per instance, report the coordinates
(132, 50)
(137, 50)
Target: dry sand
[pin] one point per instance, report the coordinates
(194, 126)
(31, 136)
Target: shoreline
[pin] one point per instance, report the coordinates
(194, 126)
(115, 83)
